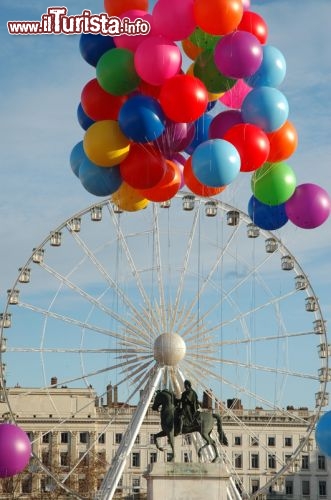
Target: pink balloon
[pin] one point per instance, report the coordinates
(174, 18)
(309, 206)
(246, 4)
(222, 122)
(157, 59)
(132, 42)
(234, 97)
(15, 450)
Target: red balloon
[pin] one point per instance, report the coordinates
(167, 187)
(283, 142)
(148, 89)
(184, 98)
(195, 185)
(218, 17)
(251, 143)
(117, 7)
(255, 24)
(144, 167)
(99, 104)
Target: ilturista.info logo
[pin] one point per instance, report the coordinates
(56, 21)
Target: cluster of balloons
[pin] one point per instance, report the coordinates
(151, 127)
(15, 450)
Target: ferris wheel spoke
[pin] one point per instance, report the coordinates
(185, 267)
(160, 281)
(126, 338)
(140, 287)
(251, 340)
(114, 284)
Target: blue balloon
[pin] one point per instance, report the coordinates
(100, 181)
(201, 132)
(215, 162)
(83, 119)
(77, 156)
(272, 70)
(323, 434)
(141, 118)
(265, 107)
(92, 47)
(269, 217)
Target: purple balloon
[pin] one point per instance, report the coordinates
(309, 206)
(238, 54)
(222, 122)
(175, 137)
(15, 450)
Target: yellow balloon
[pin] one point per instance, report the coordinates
(105, 144)
(129, 199)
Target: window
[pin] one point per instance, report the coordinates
(305, 488)
(255, 485)
(27, 485)
(64, 437)
(288, 441)
(64, 458)
(322, 488)
(46, 438)
(238, 460)
(102, 439)
(83, 437)
(135, 484)
(30, 435)
(45, 458)
(152, 439)
(254, 460)
(321, 463)
(254, 441)
(271, 441)
(137, 440)
(305, 462)
(271, 461)
(187, 439)
(237, 440)
(187, 457)
(169, 457)
(83, 458)
(135, 459)
(118, 437)
(289, 487)
(102, 457)
(153, 457)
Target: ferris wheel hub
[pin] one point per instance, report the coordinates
(169, 349)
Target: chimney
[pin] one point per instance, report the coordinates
(54, 382)
(207, 401)
(109, 395)
(234, 404)
(115, 394)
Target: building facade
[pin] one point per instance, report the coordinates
(75, 436)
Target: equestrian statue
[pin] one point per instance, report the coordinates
(182, 416)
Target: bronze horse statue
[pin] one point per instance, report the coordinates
(166, 401)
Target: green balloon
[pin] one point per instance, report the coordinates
(206, 70)
(273, 183)
(203, 40)
(116, 72)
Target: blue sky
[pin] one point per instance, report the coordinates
(41, 81)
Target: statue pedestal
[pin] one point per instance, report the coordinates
(186, 481)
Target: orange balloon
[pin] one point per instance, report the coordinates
(218, 17)
(117, 7)
(129, 199)
(196, 186)
(191, 50)
(167, 187)
(283, 142)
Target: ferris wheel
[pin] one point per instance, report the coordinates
(184, 289)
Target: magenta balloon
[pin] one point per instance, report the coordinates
(238, 54)
(246, 4)
(174, 18)
(15, 450)
(176, 137)
(233, 98)
(309, 206)
(132, 42)
(157, 59)
(222, 122)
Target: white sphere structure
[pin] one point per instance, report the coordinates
(169, 349)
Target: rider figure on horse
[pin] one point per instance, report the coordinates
(189, 405)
